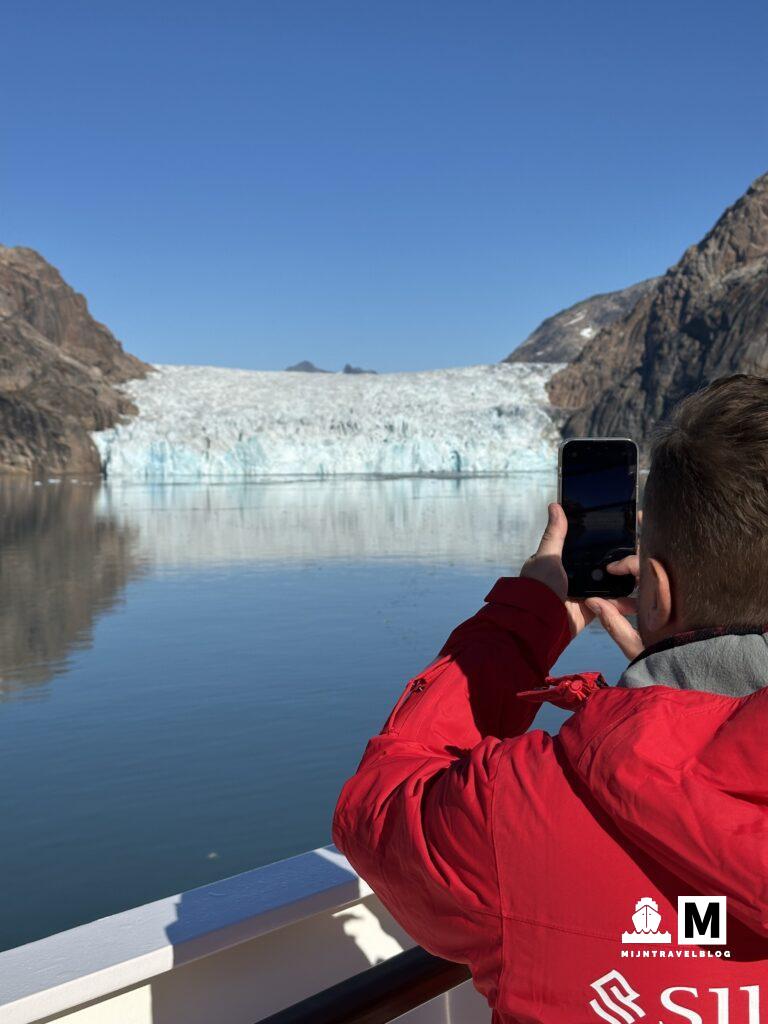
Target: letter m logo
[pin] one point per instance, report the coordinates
(701, 921)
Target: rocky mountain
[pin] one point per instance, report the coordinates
(560, 338)
(305, 366)
(706, 317)
(349, 368)
(58, 368)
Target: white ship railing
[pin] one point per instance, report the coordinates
(235, 952)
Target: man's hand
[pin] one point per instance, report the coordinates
(612, 613)
(546, 565)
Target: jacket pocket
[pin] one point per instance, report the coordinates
(414, 693)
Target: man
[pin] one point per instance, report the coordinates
(553, 866)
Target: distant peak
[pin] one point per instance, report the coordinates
(305, 366)
(348, 368)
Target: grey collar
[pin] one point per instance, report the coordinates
(719, 660)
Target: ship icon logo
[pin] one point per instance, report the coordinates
(647, 922)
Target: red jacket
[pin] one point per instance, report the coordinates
(527, 856)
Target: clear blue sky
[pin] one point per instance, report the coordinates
(398, 184)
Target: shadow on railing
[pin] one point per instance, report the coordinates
(378, 995)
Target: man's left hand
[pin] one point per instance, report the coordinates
(546, 565)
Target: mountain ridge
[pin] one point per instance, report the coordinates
(561, 337)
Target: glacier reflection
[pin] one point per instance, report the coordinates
(466, 521)
(67, 551)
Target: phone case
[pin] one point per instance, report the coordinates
(608, 586)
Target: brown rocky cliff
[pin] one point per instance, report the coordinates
(58, 370)
(706, 317)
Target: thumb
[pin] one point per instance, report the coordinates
(616, 625)
(553, 538)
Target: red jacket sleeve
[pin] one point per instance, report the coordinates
(416, 819)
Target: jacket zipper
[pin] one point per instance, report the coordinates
(417, 687)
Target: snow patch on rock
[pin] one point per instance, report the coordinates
(575, 319)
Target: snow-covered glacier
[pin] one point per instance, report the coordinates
(208, 422)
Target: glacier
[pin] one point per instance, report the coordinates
(207, 422)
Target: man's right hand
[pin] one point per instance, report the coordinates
(612, 612)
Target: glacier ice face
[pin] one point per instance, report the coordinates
(198, 422)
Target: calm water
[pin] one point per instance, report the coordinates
(189, 673)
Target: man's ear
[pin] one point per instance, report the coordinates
(659, 612)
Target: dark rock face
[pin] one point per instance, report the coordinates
(58, 368)
(560, 338)
(305, 366)
(348, 368)
(705, 318)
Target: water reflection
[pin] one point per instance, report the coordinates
(63, 561)
(469, 522)
(208, 719)
(67, 551)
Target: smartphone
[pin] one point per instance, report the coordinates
(597, 488)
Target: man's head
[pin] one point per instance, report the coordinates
(704, 537)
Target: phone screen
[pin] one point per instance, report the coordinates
(598, 488)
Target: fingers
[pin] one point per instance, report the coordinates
(626, 605)
(629, 564)
(553, 538)
(579, 616)
(617, 626)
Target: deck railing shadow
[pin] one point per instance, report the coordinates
(267, 939)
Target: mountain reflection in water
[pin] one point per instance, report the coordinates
(63, 562)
